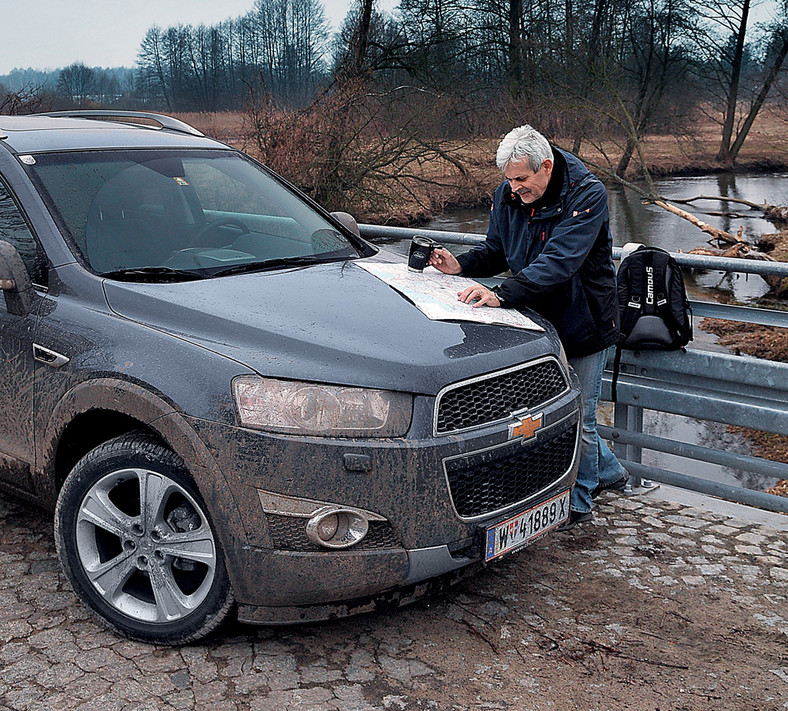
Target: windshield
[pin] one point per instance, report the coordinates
(133, 214)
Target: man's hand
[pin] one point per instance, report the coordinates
(478, 296)
(444, 261)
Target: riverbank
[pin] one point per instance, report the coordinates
(761, 342)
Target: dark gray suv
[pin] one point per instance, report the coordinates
(224, 409)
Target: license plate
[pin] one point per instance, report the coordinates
(526, 527)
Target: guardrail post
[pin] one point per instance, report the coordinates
(635, 424)
(630, 419)
(621, 419)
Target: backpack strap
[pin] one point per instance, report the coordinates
(630, 305)
(662, 302)
(666, 314)
(616, 368)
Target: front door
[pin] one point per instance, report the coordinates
(16, 358)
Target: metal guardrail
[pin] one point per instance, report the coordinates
(719, 387)
(693, 261)
(734, 390)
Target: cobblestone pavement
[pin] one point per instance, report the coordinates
(655, 605)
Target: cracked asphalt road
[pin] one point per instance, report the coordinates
(654, 605)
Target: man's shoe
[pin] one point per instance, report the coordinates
(575, 517)
(617, 485)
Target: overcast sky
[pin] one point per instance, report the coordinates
(50, 34)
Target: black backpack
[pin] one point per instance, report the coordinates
(652, 302)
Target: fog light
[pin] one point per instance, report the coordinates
(327, 527)
(332, 527)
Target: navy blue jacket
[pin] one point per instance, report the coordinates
(560, 256)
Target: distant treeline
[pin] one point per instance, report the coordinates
(578, 67)
(100, 85)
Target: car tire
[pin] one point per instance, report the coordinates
(134, 538)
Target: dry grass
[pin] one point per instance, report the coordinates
(226, 126)
(751, 339)
(780, 488)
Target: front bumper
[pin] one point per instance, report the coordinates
(401, 595)
(280, 576)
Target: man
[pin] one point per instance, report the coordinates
(549, 224)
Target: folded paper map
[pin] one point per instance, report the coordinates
(435, 294)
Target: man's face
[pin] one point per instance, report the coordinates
(528, 185)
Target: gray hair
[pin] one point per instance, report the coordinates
(521, 143)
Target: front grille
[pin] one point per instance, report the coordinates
(494, 479)
(496, 397)
(289, 533)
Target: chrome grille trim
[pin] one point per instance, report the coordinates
(491, 376)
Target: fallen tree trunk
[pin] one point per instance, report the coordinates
(743, 250)
(717, 234)
(774, 213)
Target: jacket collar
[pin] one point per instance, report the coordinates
(573, 173)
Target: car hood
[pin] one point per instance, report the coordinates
(332, 323)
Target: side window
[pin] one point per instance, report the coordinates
(13, 229)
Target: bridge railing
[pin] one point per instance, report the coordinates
(705, 385)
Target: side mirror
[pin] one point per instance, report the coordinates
(15, 282)
(347, 220)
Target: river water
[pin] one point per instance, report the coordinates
(631, 221)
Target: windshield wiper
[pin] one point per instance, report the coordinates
(276, 263)
(154, 274)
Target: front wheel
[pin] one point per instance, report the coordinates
(136, 543)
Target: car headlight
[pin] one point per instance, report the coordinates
(295, 407)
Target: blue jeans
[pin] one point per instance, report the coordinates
(598, 465)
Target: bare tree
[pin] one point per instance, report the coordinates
(630, 60)
(76, 83)
(280, 43)
(733, 17)
(106, 87)
(729, 64)
(516, 49)
(775, 60)
(27, 100)
(653, 61)
(356, 39)
(151, 68)
(357, 148)
(581, 68)
(361, 38)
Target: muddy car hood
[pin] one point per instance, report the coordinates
(333, 323)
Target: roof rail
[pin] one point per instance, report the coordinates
(164, 121)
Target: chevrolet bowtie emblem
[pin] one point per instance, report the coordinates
(526, 428)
